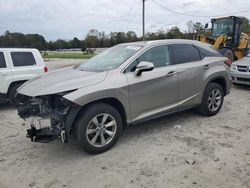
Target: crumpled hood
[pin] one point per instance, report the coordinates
(61, 80)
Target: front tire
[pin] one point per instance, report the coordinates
(98, 128)
(212, 100)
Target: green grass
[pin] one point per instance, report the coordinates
(66, 55)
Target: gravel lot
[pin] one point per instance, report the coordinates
(181, 150)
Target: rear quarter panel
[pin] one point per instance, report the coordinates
(218, 70)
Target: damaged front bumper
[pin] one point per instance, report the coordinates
(49, 117)
(41, 130)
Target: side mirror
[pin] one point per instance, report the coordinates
(206, 25)
(143, 67)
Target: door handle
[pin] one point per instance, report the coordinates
(3, 74)
(171, 73)
(207, 66)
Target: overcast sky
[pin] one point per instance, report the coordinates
(66, 19)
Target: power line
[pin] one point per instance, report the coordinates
(129, 12)
(132, 17)
(192, 15)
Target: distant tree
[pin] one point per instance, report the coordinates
(121, 37)
(161, 34)
(174, 33)
(74, 43)
(131, 36)
(83, 46)
(9, 39)
(51, 45)
(198, 27)
(61, 44)
(92, 39)
(36, 41)
(190, 27)
(151, 36)
(245, 25)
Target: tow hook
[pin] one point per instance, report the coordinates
(31, 133)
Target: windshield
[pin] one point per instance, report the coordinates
(223, 26)
(110, 58)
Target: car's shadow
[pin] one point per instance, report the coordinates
(129, 134)
(6, 106)
(158, 124)
(243, 87)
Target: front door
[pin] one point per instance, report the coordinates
(155, 92)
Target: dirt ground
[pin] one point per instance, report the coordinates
(181, 150)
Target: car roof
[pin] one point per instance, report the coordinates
(166, 41)
(171, 41)
(18, 49)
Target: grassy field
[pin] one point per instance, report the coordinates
(66, 55)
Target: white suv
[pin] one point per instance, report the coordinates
(16, 67)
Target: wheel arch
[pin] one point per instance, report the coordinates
(219, 80)
(112, 101)
(13, 84)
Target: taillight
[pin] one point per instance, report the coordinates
(228, 62)
(46, 69)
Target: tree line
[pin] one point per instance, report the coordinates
(97, 39)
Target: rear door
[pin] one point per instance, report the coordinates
(190, 70)
(5, 73)
(25, 64)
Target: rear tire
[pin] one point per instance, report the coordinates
(212, 100)
(12, 93)
(98, 128)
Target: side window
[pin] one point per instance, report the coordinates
(184, 53)
(2, 60)
(205, 53)
(22, 59)
(158, 55)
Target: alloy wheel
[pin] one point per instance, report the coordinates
(214, 100)
(101, 130)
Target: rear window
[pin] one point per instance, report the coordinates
(23, 59)
(2, 60)
(207, 53)
(184, 53)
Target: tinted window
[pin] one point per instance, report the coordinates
(2, 60)
(23, 59)
(184, 53)
(159, 56)
(207, 53)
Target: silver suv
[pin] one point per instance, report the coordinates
(126, 84)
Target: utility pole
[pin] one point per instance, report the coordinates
(143, 19)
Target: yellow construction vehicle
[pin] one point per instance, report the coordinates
(226, 36)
